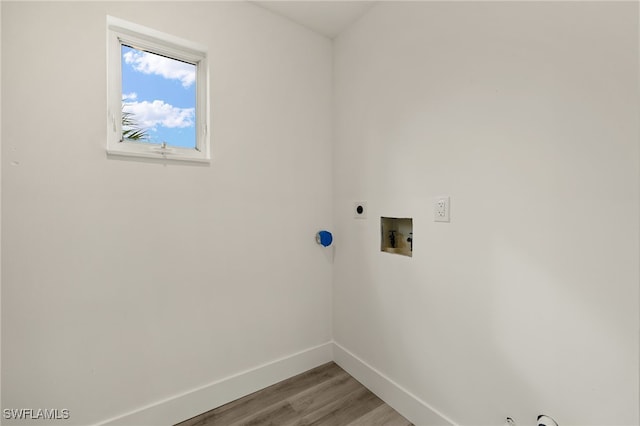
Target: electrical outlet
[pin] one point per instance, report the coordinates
(441, 209)
(360, 209)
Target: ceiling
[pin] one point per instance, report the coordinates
(328, 18)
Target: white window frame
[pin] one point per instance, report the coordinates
(121, 32)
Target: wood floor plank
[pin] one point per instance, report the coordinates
(313, 402)
(343, 411)
(324, 396)
(383, 415)
(277, 414)
(235, 410)
(288, 411)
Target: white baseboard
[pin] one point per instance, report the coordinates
(410, 406)
(196, 401)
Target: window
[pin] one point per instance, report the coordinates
(157, 94)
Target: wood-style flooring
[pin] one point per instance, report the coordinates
(324, 396)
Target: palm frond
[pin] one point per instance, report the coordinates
(131, 129)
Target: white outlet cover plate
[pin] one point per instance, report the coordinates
(360, 213)
(441, 209)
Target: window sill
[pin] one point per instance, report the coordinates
(159, 155)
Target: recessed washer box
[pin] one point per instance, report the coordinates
(396, 235)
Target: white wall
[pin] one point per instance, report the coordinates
(0, 200)
(526, 114)
(125, 282)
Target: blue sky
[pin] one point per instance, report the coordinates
(161, 94)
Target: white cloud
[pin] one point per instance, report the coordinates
(151, 114)
(129, 96)
(148, 63)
